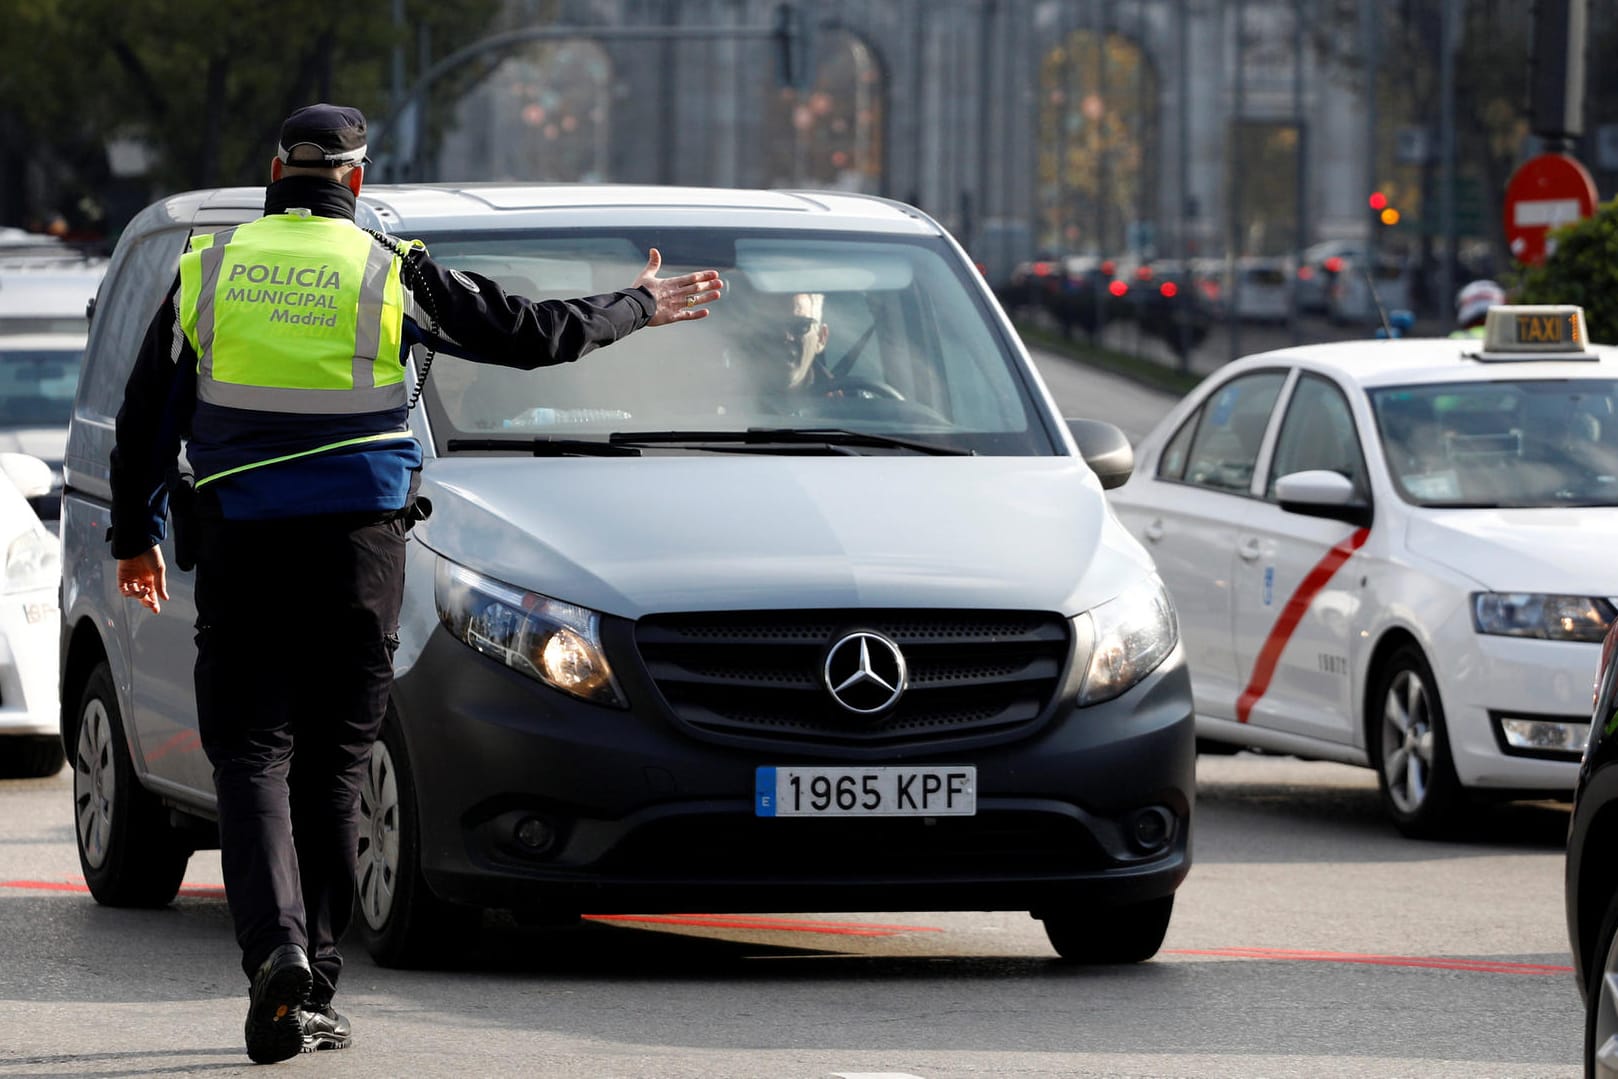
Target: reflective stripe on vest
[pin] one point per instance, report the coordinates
(295, 314)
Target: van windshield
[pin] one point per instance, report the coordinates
(816, 330)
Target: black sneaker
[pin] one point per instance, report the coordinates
(280, 986)
(323, 1028)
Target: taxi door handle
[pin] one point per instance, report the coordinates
(1154, 531)
(1249, 550)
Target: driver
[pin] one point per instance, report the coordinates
(787, 338)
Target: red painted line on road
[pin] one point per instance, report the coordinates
(192, 891)
(790, 925)
(1481, 966)
(711, 921)
(1297, 606)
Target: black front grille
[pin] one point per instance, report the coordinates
(759, 674)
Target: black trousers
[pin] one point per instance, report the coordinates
(297, 622)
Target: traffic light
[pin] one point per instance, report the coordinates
(794, 47)
(1384, 212)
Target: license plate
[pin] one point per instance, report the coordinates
(919, 791)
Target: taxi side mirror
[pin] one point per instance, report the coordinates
(1322, 493)
(1105, 449)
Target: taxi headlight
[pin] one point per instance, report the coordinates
(550, 641)
(1133, 633)
(1551, 618)
(33, 560)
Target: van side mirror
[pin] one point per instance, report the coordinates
(1322, 493)
(1105, 449)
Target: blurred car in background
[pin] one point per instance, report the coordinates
(1591, 883)
(1361, 292)
(39, 374)
(1079, 298)
(1261, 290)
(1174, 302)
(30, 624)
(1319, 267)
(48, 295)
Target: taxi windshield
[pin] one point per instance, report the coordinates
(817, 330)
(1502, 444)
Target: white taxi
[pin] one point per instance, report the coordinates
(1397, 553)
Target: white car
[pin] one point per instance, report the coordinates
(39, 373)
(1396, 553)
(30, 624)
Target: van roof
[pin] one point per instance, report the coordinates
(408, 208)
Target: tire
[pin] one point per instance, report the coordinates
(1601, 1000)
(401, 921)
(30, 757)
(1097, 935)
(1409, 748)
(130, 855)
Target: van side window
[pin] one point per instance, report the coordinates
(135, 287)
(1224, 450)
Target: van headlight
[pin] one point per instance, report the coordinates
(1551, 618)
(556, 643)
(1133, 633)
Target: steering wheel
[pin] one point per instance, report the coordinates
(855, 386)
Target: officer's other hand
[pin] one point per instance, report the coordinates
(679, 299)
(144, 578)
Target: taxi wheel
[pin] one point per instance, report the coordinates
(1409, 746)
(30, 758)
(1131, 933)
(129, 853)
(401, 921)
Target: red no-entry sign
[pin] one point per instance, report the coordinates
(1545, 192)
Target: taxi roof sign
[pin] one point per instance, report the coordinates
(1535, 331)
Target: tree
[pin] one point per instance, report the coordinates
(1582, 270)
(204, 83)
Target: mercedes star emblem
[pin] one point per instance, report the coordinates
(865, 672)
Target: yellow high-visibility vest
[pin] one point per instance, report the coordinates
(298, 314)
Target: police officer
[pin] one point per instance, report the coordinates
(1472, 305)
(305, 470)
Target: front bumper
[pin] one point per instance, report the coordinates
(30, 631)
(648, 817)
(1509, 676)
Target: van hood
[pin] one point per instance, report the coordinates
(1557, 550)
(635, 536)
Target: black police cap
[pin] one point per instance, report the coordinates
(328, 135)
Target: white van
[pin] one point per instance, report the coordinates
(878, 644)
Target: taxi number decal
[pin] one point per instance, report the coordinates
(1291, 614)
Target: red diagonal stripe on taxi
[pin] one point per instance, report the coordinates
(1296, 607)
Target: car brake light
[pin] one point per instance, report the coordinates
(1169, 289)
(1306, 273)
(1042, 269)
(1333, 264)
(1118, 288)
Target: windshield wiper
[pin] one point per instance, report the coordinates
(791, 436)
(548, 447)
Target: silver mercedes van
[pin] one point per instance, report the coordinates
(815, 604)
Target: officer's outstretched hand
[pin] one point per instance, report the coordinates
(679, 299)
(144, 578)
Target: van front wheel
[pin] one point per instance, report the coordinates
(130, 854)
(402, 922)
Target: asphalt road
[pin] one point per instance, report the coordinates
(1309, 940)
